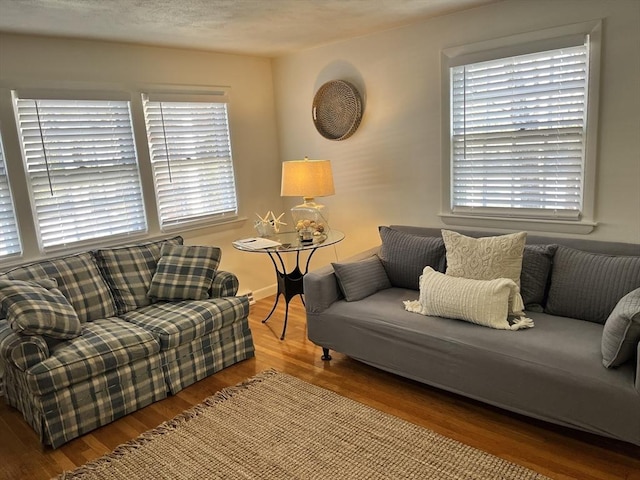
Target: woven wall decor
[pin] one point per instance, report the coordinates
(337, 110)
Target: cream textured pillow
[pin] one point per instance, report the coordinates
(484, 258)
(484, 302)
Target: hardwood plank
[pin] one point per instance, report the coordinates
(558, 452)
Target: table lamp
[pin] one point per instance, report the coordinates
(308, 179)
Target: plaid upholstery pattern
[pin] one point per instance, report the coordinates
(29, 352)
(128, 271)
(68, 413)
(104, 345)
(78, 279)
(33, 309)
(206, 355)
(177, 323)
(225, 284)
(184, 272)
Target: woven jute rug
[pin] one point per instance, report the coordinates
(275, 426)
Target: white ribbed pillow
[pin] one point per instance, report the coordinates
(484, 302)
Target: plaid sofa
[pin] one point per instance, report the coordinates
(132, 350)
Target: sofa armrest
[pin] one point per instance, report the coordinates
(321, 287)
(225, 284)
(23, 351)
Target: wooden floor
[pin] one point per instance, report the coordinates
(556, 452)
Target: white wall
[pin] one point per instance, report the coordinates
(389, 170)
(252, 117)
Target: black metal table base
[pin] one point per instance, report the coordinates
(290, 284)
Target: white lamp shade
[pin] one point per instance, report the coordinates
(307, 178)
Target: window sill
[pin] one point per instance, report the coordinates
(582, 227)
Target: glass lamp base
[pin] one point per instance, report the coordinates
(310, 219)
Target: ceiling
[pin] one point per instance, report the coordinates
(255, 27)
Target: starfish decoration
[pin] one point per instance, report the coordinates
(265, 219)
(276, 222)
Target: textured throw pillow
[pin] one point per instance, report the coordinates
(184, 273)
(128, 270)
(484, 302)
(404, 256)
(485, 258)
(79, 280)
(621, 331)
(589, 285)
(360, 279)
(38, 308)
(534, 278)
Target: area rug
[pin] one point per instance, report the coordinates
(275, 426)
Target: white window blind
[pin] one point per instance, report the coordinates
(191, 156)
(518, 134)
(9, 240)
(82, 168)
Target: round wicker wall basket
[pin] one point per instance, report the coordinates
(337, 110)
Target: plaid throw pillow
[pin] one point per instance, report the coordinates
(184, 273)
(38, 308)
(128, 270)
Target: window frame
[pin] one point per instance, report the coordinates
(218, 95)
(19, 181)
(514, 45)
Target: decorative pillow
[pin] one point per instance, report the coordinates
(404, 256)
(621, 332)
(128, 271)
(184, 273)
(484, 302)
(589, 285)
(38, 308)
(534, 278)
(79, 280)
(360, 279)
(485, 258)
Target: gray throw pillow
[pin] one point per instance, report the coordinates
(534, 278)
(405, 255)
(38, 308)
(621, 331)
(184, 272)
(588, 285)
(360, 279)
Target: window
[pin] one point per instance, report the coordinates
(190, 151)
(9, 241)
(518, 131)
(82, 169)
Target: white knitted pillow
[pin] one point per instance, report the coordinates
(484, 302)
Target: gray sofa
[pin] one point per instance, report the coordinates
(115, 330)
(552, 372)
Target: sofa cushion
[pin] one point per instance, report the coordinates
(360, 279)
(184, 273)
(78, 279)
(405, 255)
(587, 285)
(485, 258)
(38, 308)
(484, 302)
(104, 345)
(128, 270)
(621, 331)
(177, 323)
(534, 278)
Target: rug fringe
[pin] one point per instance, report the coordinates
(169, 426)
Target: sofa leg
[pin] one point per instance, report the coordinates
(325, 354)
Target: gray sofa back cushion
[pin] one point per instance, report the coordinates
(588, 285)
(534, 278)
(405, 255)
